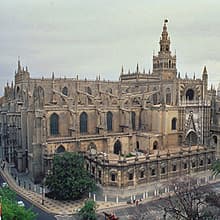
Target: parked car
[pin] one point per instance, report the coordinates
(21, 203)
(4, 184)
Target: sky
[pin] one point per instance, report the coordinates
(97, 37)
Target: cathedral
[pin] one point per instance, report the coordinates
(144, 127)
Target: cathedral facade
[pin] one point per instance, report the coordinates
(144, 127)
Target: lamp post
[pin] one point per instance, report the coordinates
(42, 192)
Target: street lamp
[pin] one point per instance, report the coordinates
(42, 193)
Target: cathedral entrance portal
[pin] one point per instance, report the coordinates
(191, 138)
(117, 147)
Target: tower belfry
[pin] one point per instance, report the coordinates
(164, 64)
(165, 40)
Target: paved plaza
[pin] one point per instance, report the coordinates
(108, 199)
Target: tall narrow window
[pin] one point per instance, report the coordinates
(154, 99)
(83, 123)
(54, 124)
(155, 145)
(109, 121)
(189, 94)
(65, 91)
(173, 124)
(168, 96)
(133, 117)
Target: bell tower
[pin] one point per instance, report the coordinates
(164, 64)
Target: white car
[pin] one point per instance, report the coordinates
(4, 184)
(21, 203)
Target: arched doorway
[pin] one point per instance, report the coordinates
(117, 147)
(191, 138)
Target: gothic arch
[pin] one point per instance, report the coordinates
(173, 124)
(190, 94)
(60, 149)
(191, 138)
(83, 122)
(54, 124)
(168, 96)
(117, 147)
(109, 121)
(155, 145)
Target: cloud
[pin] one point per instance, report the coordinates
(70, 37)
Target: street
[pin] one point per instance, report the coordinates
(41, 215)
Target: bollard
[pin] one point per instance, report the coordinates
(105, 198)
(117, 199)
(89, 194)
(146, 194)
(94, 197)
(143, 195)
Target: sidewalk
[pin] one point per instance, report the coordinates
(111, 198)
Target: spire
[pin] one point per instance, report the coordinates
(122, 70)
(165, 40)
(19, 65)
(137, 68)
(204, 70)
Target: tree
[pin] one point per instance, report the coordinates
(216, 167)
(10, 208)
(69, 180)
(88, 211)
(189, 201)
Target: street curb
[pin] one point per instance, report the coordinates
(17, 189)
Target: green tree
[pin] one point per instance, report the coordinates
(216, 167)
(69, 180)
(87, 212)
(10, 208)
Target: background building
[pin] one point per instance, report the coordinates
(147, 125)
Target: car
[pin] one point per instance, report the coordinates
(21, 203)
(4, 184)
